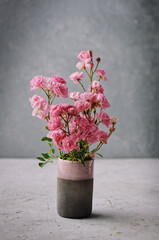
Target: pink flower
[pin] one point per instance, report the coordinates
(85, 55)
(69, 144)
(76, 76)
(60, 90)
(57, 136)
(55, 123)
(63, 109)
(104, 118)
(101, 74)
(88, 63)
(88, 96)
(74, 95)
(48, 84)
(58, 79)
(80, 65)
(113, 120)
(86, 60)
(82, 105)
(97, 87)
(36, 82)
(55, 110)
(93, 135)
(103, 136)
(103, 102)
(40, 106)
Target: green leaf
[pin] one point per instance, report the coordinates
(53, 151)
(50, 144)
(46, 127)
(46, 155)
(46, 139)
(99, 154)
(41, 159)
(41, 164)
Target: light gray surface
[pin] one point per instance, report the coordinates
(44, 37)
(126, 202)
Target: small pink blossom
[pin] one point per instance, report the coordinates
(103, 136)
(83, 56)
(58, 79)
(93, 135)
(36, 82)
(48, 84)
(55, 123)
(55, 110)
(88, 63)
(76, 76)
(97, 87)
(103, 102)
(40, 106)
(60, 90)
(113, 120)
(80, 65)
(101, 74)
(74, 95)
(57, 136)
(104, 118)
(82, 105)
(89, 96)
(69, 144)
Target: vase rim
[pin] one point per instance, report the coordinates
(75, 170)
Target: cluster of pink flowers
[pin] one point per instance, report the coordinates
(71, 124)
(56, 85)
(40, 106)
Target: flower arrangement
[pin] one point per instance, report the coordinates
(74, 128)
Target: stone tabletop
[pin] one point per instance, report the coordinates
(125, 202)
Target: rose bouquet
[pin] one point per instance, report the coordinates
(74, 128)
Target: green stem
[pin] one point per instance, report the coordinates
(82, 86)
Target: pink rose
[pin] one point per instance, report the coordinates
(40, 106)
(76, 76)
(58, 79)
(104, 118)
(69, 109)
(88, 63)
(55, 123)
(85, 55)
(74, 95)
(61, 90)
(103, 136)
(55, 110)
(101, 74)
(93, 135)
(36, 82)
(82, 105)
(97, 87)
(57, 136)
(80, 65)
(69, 144)
(88, 96)
(48, 84)
(103, 102)
(86, 60)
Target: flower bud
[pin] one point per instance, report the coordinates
(98, 59)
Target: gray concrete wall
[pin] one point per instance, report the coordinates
(44, 37)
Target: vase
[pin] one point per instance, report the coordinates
(74, 188)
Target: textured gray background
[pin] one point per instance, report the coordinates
(44, 37)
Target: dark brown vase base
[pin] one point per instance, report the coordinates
(74, 198)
